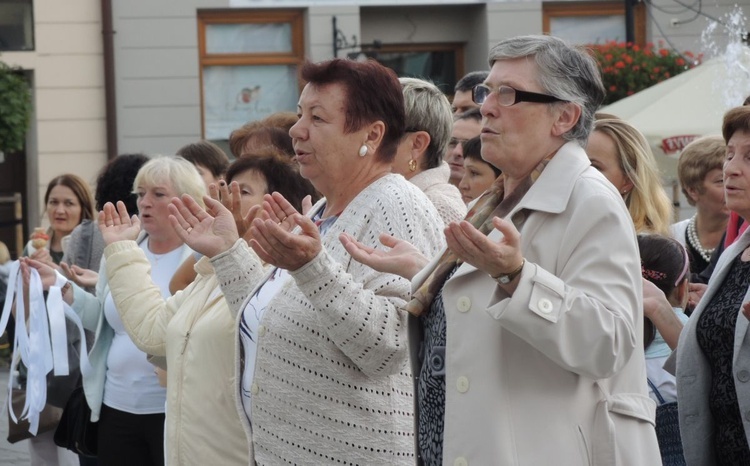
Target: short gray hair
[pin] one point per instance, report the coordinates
(181, 175)
(565, 72)
(428, 109)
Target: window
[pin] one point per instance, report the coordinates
(440, 63)
(591, 22)
(16, 25)
(248, 63)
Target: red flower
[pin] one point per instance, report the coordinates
(612, 88)
(631, 92)
(628, 59)
(636, 67)
(666, 75)
(608, 57)
(663, 52)
(636, 48)
(680, 62)
(656, 69)
(620, 65)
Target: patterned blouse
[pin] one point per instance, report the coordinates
(715, 333)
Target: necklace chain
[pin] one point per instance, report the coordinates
(695, 240)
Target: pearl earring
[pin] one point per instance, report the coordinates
(363, 150)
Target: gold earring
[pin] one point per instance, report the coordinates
(413, 165)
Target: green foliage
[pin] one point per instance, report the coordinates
(15, 108)
(630, 68)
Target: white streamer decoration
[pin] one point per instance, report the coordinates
(45, 347)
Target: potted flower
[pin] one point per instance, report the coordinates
(628, 68)
(15, 109)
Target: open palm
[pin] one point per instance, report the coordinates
(210, 232)
(117, 225)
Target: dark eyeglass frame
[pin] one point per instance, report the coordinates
(520, 96)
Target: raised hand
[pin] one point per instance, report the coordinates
(402, 258)
(116, 225)
(82, 277)
(492, 257)
(210, 232)
(274, 243)
(230, 197)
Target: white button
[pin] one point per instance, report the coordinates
(261, 330)
(462, 384)
(463, 304)
(254, 389)
(460, 461)
(545, 305)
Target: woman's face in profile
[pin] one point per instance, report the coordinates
(325, 152)
(737, 174)
(602, 152)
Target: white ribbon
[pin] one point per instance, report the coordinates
(45, 347)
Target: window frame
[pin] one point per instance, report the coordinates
(207, 17)
(595, 8)
(459, 48)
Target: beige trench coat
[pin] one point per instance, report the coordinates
(556, 373)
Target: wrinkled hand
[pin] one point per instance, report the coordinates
(654, 300)
(493, 258)
(210, 232)
(402, 258)
(85, 278)
(271, 237)
(695, 293)
(46, 273)
(116, 225)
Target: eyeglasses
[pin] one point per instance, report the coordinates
(508, 96)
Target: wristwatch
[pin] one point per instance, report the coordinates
(505, 278)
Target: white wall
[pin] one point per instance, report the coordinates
(68, 132)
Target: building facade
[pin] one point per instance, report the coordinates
(144, 76)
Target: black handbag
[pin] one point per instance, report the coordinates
(17, 431)
(668, 430)
(75, 431)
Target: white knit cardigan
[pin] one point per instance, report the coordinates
(331, 382)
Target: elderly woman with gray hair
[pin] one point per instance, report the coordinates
(532, 348)
(419, 157)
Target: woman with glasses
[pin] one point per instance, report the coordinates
(531, 349)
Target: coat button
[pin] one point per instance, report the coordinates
(463, 304)
(462, 384)
(743, 375)
(254, 389)
(460, 461)
(261, 330)
(545, 305)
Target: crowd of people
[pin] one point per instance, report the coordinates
(391, 278)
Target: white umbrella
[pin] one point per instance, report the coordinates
(691, 104)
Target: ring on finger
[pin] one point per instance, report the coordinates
(189, 229)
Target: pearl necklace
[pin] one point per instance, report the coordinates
(692, 234)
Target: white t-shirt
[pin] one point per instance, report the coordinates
(130, 384)
(249, 324)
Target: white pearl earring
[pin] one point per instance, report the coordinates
(363, 150)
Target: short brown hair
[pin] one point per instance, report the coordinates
(737, 119)
(280, 173)
(373, 93)
(206, 154)
(697, 159)
(282, 121)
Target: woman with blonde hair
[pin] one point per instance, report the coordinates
(700, 171)
(623, 155)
